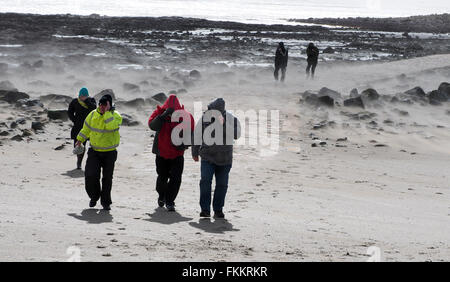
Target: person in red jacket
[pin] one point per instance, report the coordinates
(169, 157)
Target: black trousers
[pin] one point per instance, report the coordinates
(283, 72)
(311, 66)
(169, 178)
(97, 161)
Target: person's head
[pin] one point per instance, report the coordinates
(281, 45)
(83, 94)
(103, 103)
(218, 104)
(311, 45)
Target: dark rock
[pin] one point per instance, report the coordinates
(135, 103)
(401, 112)
(445, 88)
(437, 96)
(328, 92)
(370, 95)
(58, 115)
(128, 120)
(388, 121)
(354, 93)
(315, 100)
(12, 96)
(131, 87)
(17, 138)
(195, 74)
(342, 139)
(37, 125)
(21, 121)
(380, 145)
(7, 86)
(29, 103)
(56, 99)
(326, 101)
(354, 102)
(98, 96)
(26, 133)
(329, 50)
(160, 97)
(38, 64)
(416, 92)
(13, 124)
(60, 147)
(4, 133)
(359, 116)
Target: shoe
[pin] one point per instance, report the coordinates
(161, 203)
(219, 214)
(205, 214)
(170, 208)
(107, 207)
(92, 204)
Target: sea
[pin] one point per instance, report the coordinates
(245, 11)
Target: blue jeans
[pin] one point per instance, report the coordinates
(208, 170)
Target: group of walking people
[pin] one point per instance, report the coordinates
(172, 124)
(100, 125)
(282, 56)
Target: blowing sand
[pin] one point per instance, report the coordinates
(329, 203)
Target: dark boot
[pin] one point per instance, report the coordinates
(79, 161)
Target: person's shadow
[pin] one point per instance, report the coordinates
(162, 216)
(74, 173)
(93, 216)
(218, 226)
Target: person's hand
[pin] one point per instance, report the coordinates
(195, 159)
(105, 108)
(168, 112)
(78, 144)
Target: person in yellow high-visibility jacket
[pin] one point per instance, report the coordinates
(101, 127)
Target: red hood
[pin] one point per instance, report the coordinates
(172, 102)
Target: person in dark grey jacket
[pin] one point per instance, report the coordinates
(216, 132)
(281, 61)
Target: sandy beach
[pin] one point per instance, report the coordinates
(342, 179)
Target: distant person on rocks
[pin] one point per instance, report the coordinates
(216, 153)
(101, 127)
(313, 57)
(281, 61)
(78, 110)
(169, 157)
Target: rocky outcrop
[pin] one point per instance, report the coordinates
(99, 95)
(12, 97)
(58, 115)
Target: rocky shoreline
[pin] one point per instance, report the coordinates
(170, 40)
(428, 24)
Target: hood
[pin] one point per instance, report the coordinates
(218, 104)
(172, 102)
